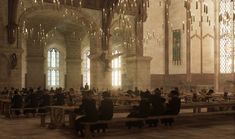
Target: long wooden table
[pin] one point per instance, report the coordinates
(5, 106)
(57, 113)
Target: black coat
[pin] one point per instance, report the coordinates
(17, 101)
(142, 111)
(158, 105)
(88, 109)
(106, 109)
(32, 100)
(173, 107)
(45, 100)
(60, 97)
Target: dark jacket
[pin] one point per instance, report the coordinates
(106, 109)
(158, 105)
(88, 109)
(45, 100)
(173, 107)
(32, 101)
(142, 111)
(17, 101)
(60, 99)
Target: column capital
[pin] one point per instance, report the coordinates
(139, 58)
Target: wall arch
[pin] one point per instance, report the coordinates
(4, 70)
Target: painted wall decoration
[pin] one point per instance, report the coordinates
(13, 60)
(176, 47)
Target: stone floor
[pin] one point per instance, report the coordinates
(213, 127)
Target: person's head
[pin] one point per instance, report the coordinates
(212, 91)
(88, 95)
(176, 89)
(144, 95)
(16, 92)
(157, 91)
(106, 94)
(71, 90)
(174, 93)
(31, 90)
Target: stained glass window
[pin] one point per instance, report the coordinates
(226, 36)
(53, 68)
(86, 67)
(116, 70)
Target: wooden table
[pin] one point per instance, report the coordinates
(57, 116)
(197, 106)
(5, 105)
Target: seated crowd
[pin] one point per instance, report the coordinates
(151, 104)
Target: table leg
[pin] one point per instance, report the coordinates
(72, 118)
(87, 132)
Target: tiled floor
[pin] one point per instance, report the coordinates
(216, 127)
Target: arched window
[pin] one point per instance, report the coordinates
(53, 68)
(227, 24)
(86, 67)
(116, 70)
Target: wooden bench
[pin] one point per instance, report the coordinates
(87, 125)
(21, 110)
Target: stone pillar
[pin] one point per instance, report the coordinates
(73, 60)
(35, 76)
(217, 48)
(100, 75)
(73, 76)
(138, 72)
(100, 78)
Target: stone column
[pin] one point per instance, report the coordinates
(138, 72)
(73, 60)
(35, 76)
(100, 75)
(73, 76)
(138, 66)
(217, 49)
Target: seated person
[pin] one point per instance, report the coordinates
(69, 97)
(158, 106)
(86, 86)
(142, 111)
(59, 97)
(226, 96)
(209, 95)
(44, 101)
(195, 97)
(105, 110)
(88, 109)
(136, 92)
(173, 107)
(17, 102)
(32, 101)
(130, 93)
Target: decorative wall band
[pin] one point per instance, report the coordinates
(195, 36)
(208, 35)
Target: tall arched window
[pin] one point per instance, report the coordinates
(53, 68)
(86, 67)
(227, 24)
(116, 70)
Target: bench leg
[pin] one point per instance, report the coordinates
(72, 118)
(43, 120)
(87, 132)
